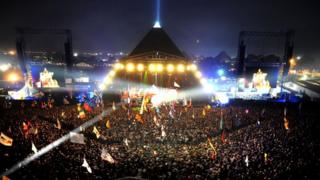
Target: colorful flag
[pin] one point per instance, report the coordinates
(265, 157)
(77, 138)
(221, 120)
(214, 151)
(58, 125)
(286, 123)
(163, 133)
(82, 115)
(96, 132)
(87, 107)
(107, 157)
(203, 112)
(126, 142)
(155, 120)
(139, 118)
(86, 165)
(5, 140)
(223, 137)
(246, 160)
(33, 148)
(113, 106)
(108, 125)
(5, 178)
(175, 84)
(190, 103)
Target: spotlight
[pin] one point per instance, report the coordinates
(170, 68)
(198, 74)
(5, 67)
(118, 66)
(220, 72)
(112, 73)
(193, 67)
(130, 67)
(203, 81)
(12, 52)
(159, 67)
(13, 77)
(140, 67)
(152, 67)
(180, 68)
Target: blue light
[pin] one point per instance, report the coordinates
(157, 21)
(220, 72)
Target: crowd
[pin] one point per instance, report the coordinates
(246, 140)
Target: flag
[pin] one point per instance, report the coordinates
(33, 148)
(107, 157)
(265, 157)
(33, 130)
(62, 114)
(223, 137)
(5, 178)
(65, 101)
(86, 165)
(190, 103)
(108, 125)
(81, 115)
(155, 120)
(203, 112)
(5, 140)
(175, 84)
(221, 120)
(246, 160)
(126, 142)
(139, 118)
(79, 107)
(286, 123)
(214, 151)
(96, 132)
(163, 133)
(113, 106)
(77, 138)
(87, 107)
(58, 125)
(185, 102)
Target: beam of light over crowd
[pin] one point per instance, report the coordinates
(56, 143)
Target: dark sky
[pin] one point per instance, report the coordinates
(118, 25)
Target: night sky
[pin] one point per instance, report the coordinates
(118, 25)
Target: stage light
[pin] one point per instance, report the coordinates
(152, 67)
(170, 68)
(130, 67)
(220, 72)
(112, 73)
(193, 67)
(140, 67)
(75, 54)
(12, 53)
(13, 77)
(292, 62)
(203, 81)
(159, 68)
(102, 87)
(118, 66)
(180, 68)
(5, 67)
(198, 74)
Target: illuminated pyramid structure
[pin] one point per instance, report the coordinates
(156, 60)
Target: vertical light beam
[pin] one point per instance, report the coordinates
(157, 22)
